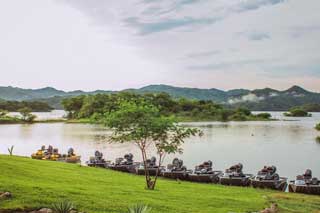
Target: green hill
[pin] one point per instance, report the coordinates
(260, 99)
(35, 184)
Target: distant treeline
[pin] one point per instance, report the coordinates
(15, 106)
(95, 106)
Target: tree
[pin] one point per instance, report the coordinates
(297, 112)
(3, 113)
(141, 123)
(26, 114)
(264, 115)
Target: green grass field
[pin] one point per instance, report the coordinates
(36, 184)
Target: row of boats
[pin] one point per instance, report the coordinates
(53, 154)
(267, 177)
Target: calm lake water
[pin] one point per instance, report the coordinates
(289, 145)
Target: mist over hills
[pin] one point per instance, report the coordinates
(267, 99)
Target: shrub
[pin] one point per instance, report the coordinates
(318, 126)
(264, 115)
(318, 139)
(62, 207)
(139, 208)
(10, 150)
(297, 112)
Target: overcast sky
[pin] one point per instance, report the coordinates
(117, 44)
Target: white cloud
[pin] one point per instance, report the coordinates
(200, 43)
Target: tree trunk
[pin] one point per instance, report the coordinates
(146, 171)
(157, 173)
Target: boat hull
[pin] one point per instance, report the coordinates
(123, 168)
(152, 171)
(305, 189)
(176, 175)
(280, 185)
(235, 181)
(204, 178)
(102, 165)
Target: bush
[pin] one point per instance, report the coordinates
(297, 112)
(318, 127)
(318, 139)
(264, 115)
(26, 115)
(139, 208)
(62, 207)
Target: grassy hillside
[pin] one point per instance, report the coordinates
(37, 184)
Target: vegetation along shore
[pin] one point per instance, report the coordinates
(94, 108)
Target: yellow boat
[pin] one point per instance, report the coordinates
(38, 155)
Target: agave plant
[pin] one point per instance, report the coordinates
(62, 207)
(10, 150)
(139, 208)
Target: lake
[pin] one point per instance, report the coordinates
(289, 145)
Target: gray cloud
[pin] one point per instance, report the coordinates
(255, 36)
(218, 14)
(145, 28)
(247, 5)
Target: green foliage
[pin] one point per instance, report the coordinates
(140, 122)
(97, 106)
(318, 139)
(62, 207)
(26, 114)
(318, 126)
(297, 112)
(3, 113)
(139, 208)
(264, 115)
(10, 150)
(102, 190)
(15, 106)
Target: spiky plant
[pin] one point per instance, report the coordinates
(139, 208)
(62, 207)
(10, 150)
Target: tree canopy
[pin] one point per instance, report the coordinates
(141, 123)
(34, 106)
(95, 106)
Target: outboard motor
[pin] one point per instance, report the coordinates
(236, 170)
(177, 165)
(151, 162)
(119, 161)
(70, 152)
(49, 150)
(128, 159)
(268, 173)
(98, 155)
(307, 174)
(55, 151)
(204, 168)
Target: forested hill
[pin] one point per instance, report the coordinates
(260, 99)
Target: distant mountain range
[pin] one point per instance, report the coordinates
(259, 99)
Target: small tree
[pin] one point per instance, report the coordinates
(142, 123)
(26, 114)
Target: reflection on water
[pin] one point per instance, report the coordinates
(290, 145)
